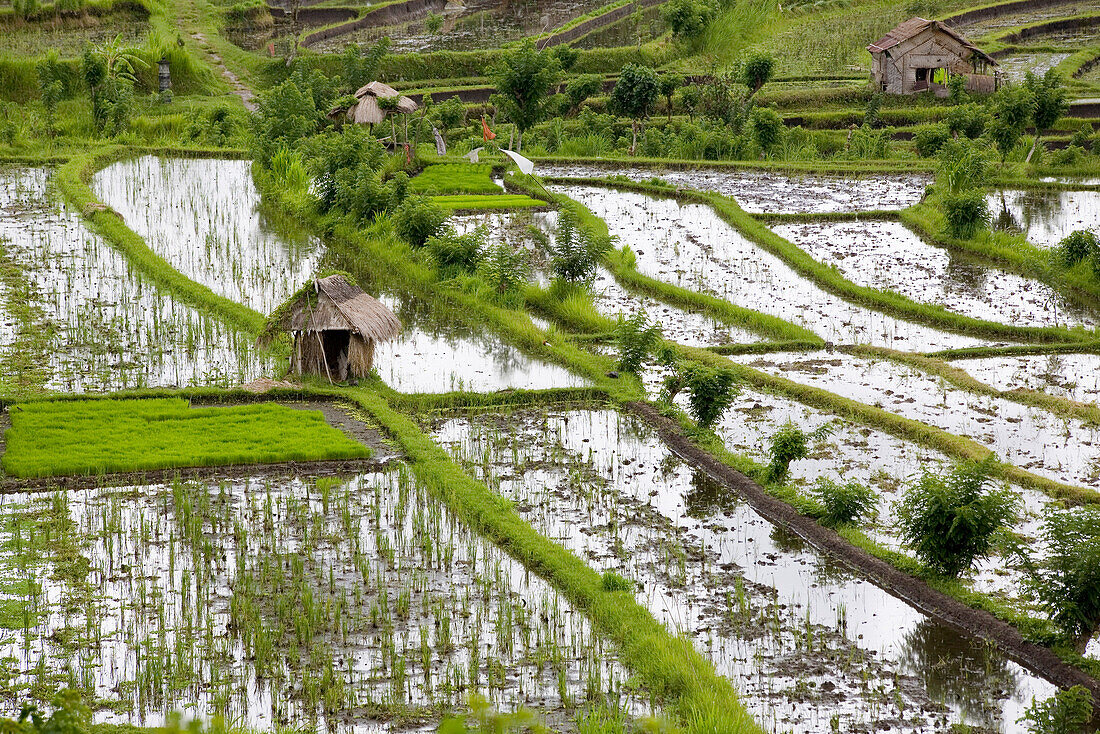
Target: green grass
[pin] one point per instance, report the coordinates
(100, 436)
(455, 178)
(467, 202)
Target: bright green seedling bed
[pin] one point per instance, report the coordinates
(101, 436)
(501, 201)
(455, 178)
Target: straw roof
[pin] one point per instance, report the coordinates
(367, 111)
(915, 26)
(339, 306)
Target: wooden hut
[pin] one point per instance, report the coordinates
(367, 111)
(336, 327)
(920, 55)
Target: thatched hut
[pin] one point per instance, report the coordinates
(336, 326)
(368, 112)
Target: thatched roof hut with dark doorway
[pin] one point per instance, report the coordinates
(335, 326)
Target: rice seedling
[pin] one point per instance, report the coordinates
(481, 202)
(455, 178)
(92, 437)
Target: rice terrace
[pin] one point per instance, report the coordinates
(580, 366)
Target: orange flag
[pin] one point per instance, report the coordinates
(486, 133)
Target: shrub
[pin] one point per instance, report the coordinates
(70, 716)
(870, 143)
(711, 391)
(581, 88)
(688, 19)
(636, 337)
(949, 521)
(930, 138)
(791, 443)
(417, 218)
(844, 504)
(965, 213)
(1078, 246)
(766, 128)
(756, 71)
(1067, 580)
(458, 252)
(968, 120)
(1066, 712)
(575, 251)
(505, 269)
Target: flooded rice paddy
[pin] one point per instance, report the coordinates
(810, 646)
(204, 217)
(1063, 449)
(889, 256)
(340, 604)
(1045, 216)
(77, 319)
(774, 193)
(688, 245)
(1073, 376)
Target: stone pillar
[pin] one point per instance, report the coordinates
(165, 74)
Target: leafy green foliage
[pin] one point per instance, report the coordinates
(844, 503)
(505, 269)
(1049, 98)
(458, 252)
(418, 218)
(635, 337)
(969, 120)
(928, 139)
(70, 716)
(1067, 579)
(949, 521)
(767, 128)
(688, 19)
(581, 88)
(524, 80)
(360, 65)
(1078, 246)
(1012, 110)
(95, 436)
(756, 71)
(710, 391)
(284, 115)
(349, 172)
(791, 443)
(575, 250)
(961, 175)
(449, 114)
(478, 202)
(1066, 712)
(635, 92)
(965, 213)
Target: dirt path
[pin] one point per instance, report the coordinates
(235, 84)
(920, 595)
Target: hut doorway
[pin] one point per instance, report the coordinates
(336, 345)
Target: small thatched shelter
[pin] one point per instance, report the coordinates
(336, 326)
(368, 112)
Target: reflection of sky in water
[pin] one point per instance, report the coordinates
(649, 500)
(1045, 216)
(203, 216)
(888, 256)
(775, 193)
(688, 245)
(435, 354)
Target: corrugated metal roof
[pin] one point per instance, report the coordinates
(915, 26)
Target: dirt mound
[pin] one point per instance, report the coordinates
(264, 384)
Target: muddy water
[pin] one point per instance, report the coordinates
(811, 647)
(1073, 376)
(1016, 66)
(889, 256)
(1045, 216)
(775, 193)
(301, 600)
(688, 245)
(438, 352)
(203, 216)
(1033, 439)
(87, 323)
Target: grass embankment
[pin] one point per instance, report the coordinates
(102, 436)
(668, 666)
(832, 281)
(473, 202)
(72, 179)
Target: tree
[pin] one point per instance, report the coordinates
(688, 19)
(1049, 97)
(1012, 110)
(449, 115)
(524, 79)
(581, 88)
(284, 114)
(634, 95)
(669, 83)
(636, 337)
(767, 128)
(756, 71)
(949, 521)
(711, 392)
(51, 87)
